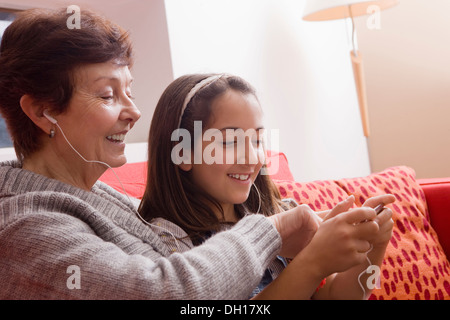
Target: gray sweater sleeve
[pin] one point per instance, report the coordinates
(57, 256)
(61, 242)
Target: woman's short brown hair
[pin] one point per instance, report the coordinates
(38, 55)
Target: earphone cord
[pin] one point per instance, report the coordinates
(365, 271)
(259, 197)
(121, 184)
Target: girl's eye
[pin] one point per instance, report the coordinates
(229, 143)
(256, 143)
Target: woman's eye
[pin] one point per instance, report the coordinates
(107, 97)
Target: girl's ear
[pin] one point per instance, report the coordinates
(185, 166)
(182, 155)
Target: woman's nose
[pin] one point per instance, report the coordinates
(130, 112)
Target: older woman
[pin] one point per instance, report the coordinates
(66, 97)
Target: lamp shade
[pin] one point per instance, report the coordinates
(320, 10)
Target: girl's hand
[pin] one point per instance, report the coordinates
(342, 239)
(384, 219)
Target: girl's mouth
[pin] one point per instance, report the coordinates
(241, 177)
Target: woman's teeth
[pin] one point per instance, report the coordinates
(116, 137)
(241, 177)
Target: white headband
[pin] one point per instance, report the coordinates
(194, 91)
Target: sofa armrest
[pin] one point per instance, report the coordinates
(437, 194)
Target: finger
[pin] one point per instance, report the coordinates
(360, 215)
(386, 225)
(317, 219)
(323, 214)
(366, 231)
(341, 207)
(305, 207)
(384, 199)
(362, 246)
(384, 216)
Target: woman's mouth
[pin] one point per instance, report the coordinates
(116, 138)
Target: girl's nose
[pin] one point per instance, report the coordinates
(248, 152)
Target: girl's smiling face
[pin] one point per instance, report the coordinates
(239, 117)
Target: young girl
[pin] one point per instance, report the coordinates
(204, 174)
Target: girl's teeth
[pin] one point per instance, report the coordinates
(116, 137)
(242, 177)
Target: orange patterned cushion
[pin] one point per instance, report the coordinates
(319, 195)
(415, 266)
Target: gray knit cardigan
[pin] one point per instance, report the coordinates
(60, 242)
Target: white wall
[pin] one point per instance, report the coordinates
(408, 87)
(301, 70)
(146, 21)
(152, 71)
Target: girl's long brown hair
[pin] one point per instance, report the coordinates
(170, 192)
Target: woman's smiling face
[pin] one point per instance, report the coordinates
(100, 113)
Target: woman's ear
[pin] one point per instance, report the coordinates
(35, 111)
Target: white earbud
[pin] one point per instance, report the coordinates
(49, 117)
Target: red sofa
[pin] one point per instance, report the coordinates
(416, 264)
(437, 194)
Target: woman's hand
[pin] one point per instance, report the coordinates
(296, 226)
